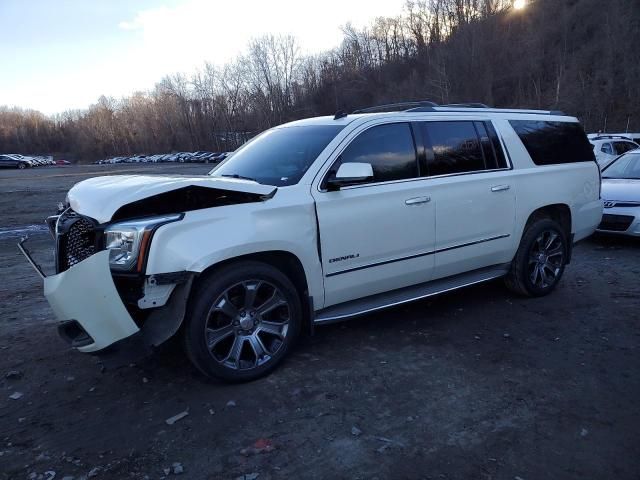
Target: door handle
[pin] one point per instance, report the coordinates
(500, 188)
(417, 200)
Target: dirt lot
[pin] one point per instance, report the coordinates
(475, 384)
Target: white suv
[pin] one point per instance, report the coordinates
(317, 221)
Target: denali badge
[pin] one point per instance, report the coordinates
(609, 204)
(345, 257)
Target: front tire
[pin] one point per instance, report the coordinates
(243, 320)
(540, 260)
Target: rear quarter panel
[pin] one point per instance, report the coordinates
(576, 185)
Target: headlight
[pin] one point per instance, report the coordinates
(128, 242)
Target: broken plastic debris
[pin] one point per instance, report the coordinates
(13, 375)
(262, 445)
(175, 418)
(248, 476)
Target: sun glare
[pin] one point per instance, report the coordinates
(519, 4)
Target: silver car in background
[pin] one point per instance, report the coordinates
(621, 195)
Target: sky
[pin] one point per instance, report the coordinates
(58, 55)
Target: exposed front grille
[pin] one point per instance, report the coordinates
(76, 240)
(613, 203)
(615, 223)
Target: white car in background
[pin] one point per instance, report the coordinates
(621, 195)
(634, 137)
(608, 147)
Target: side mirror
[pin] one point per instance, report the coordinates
(350, 174)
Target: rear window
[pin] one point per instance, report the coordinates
(550, 143)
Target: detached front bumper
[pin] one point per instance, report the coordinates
(86, 294)
(94, 319)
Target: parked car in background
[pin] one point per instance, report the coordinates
(182, 157)
(14, 161)
(607, 147)
(63, 162)
(317, 221)
(621, 195)
(635, 137)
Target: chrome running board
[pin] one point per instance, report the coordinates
(361, 306)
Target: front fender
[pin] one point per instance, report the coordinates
(207, 237)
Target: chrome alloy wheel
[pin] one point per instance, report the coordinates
(546, 259)
(247, 324)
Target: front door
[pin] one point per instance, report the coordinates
(378, 236)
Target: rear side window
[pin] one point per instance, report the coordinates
(462, 147)
(623, 147)
(491, 148)
(550, 143)
(388, 148)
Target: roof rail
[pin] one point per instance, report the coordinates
(427, 106)
(466, 105)
(610, 136)
(340, 114)
(396, 107)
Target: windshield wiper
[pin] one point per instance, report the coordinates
(241, 177)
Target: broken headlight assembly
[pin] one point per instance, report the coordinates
(128, 242)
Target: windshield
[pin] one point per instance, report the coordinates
(279, 156)
(625, 166)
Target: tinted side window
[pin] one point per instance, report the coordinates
(487, 147)
(623, 147)
(388, 148)
(551, 143)
(607, 148)
(454, 148)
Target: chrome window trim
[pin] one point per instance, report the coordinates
(426, 177)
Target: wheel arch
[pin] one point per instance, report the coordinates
(285, 261)
(560, 213)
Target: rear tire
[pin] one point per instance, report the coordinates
(243, 320)
(540, 260)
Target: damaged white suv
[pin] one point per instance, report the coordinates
(316, 221)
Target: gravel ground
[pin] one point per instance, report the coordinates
(472, 384)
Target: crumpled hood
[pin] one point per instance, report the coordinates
(621, 189)
(100, 197)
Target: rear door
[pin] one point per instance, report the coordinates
(473, 193)
(378, 236)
